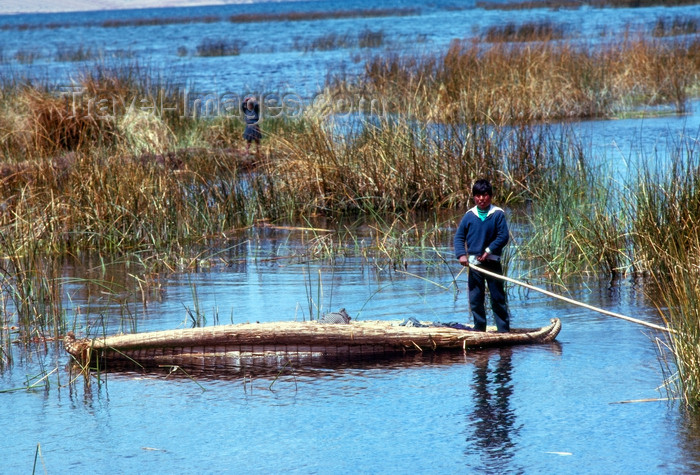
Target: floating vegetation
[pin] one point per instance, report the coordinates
(220, 47)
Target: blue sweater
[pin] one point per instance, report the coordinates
(473, 235)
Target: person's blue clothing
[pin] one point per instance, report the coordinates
(474, 236)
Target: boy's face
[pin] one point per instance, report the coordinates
(483, 201)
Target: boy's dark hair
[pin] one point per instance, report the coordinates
(482, 187)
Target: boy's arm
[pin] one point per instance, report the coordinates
(460, 241)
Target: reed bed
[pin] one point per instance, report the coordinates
(321, 15)
(219, 47)
(151, 21)
(576, 4)
(575, 223)
(160, 21)
(398, 165)
(519, 83)
(675, 27)
(666, 233)
(239, 18)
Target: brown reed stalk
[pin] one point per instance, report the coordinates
(395, 164)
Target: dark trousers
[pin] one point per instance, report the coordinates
(477, 295)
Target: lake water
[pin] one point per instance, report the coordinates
(537, 409)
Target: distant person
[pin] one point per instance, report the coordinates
(480, 238)
(251, 113)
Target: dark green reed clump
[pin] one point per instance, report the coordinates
(219, 47)
(70, 53)
(364, 39)
(27, 56)
(529, 31)
(370, 39)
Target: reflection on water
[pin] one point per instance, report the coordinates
(691, 442)
(492, 418)
(234, 368)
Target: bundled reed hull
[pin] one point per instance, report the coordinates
(282, 342)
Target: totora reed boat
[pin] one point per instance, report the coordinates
(284, 342)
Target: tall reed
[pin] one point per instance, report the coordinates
(575, 223)
(31, 283)
(666, 235)
(394, 164)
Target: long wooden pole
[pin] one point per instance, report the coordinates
(571, 301)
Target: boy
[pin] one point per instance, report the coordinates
(480, 238)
